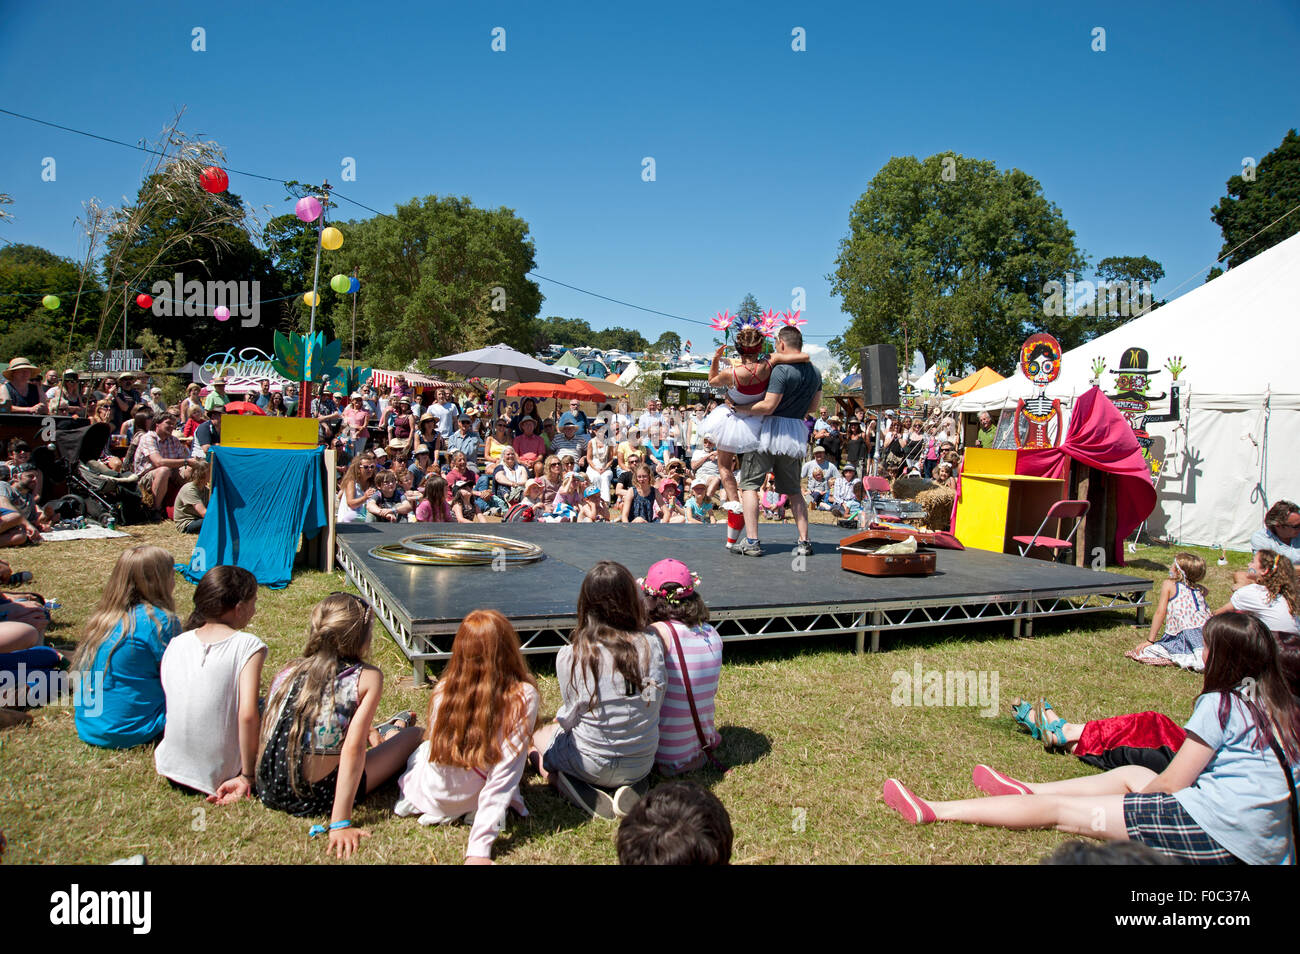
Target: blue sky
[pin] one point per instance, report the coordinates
(759, 151)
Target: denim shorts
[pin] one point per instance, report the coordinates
(563, 756)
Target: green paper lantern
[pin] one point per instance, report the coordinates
(51, 302)
(341, 284)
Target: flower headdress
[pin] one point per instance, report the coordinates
(670, 579)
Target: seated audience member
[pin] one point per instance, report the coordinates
(704, 462)
(612, 676)
(510, 477)
(1181, 612)
(419, 469)
(208, 434)
(669, 501)
(600, 459)
(211, 675)
(192, 500)
(314, 758)
(699, 509)
(641, 503)
(389, 504)
(622, 486)
(1278, 535)
(406, 484)
(193, 418)
(466, 441)
(121, 702)
(678, 614)
(22, 393)
(22, 520)
(631, 444)
(482, 714)
(500, 439)
(20, 453)
(485, 495)
(593, 509)
(1222, 800)
(159, 459)
(658, 450)
(842, 491)
(535, 496)
(356, 488)
(818, 487)
(771, 502)
(433, 507)
(943, 476)
(462, 503)
(677, 823)
(1272, 598)
(571, 439)
(461, 468)
(529, 445)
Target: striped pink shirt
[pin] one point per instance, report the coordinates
(679, 743)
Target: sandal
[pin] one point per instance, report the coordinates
(1020, 711)
(390, 727)
(1053, 729)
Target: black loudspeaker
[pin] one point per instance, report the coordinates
(879, 364)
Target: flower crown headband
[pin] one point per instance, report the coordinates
(769, 323)
(675, 595)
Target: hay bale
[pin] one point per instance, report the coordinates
(906, 488)
(937, 502)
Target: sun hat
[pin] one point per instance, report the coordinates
(591, 492)
(666, 483)
(699, 482)
(672, 573)
(532, 482)
(848, 467)
(464, 415)
(568, 420)
(356, 396)
(819, 449)
(422, 449)
(380, 452)
(428, 416)
(70, 374)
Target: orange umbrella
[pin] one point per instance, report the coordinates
(571, 390)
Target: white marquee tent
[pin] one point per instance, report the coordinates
(1236, 447)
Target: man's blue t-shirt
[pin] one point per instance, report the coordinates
(797, 384)
(125, 706)
(1265, 539)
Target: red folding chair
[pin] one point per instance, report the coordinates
(1061, 510)
(879, 485)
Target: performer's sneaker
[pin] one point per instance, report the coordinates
(803, 548)
(745, 548)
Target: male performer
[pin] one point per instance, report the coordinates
(793, 390)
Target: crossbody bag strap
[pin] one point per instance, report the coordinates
(1291, 799)
(690, 695)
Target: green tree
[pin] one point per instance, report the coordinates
(439, 276)
(669, 343)
(956, 255)
(748, 309)
(1124, 290)
(27, 328)
(1257, 199)
(624, 339)
(564, 332)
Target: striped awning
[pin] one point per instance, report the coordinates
(380, 377)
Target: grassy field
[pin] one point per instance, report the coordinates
(811, 732)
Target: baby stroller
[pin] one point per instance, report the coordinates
(101, 492)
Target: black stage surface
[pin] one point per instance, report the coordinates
(749, 598)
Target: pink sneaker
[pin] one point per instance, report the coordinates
(993, 782)
(913, 810)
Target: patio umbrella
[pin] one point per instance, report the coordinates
(499, 361)
(573, 390)
(243, 407)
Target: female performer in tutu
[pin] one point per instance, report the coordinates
(746, 382)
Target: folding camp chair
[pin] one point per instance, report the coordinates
(1061, 510)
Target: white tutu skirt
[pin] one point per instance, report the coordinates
(731, 432)
(784, 436)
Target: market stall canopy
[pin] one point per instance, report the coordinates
(973, 382)
(574, 390)
(498, 361)
(383, 378)
(609, 387)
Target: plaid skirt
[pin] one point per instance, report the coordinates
(1159, 821)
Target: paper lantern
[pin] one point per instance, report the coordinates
(331, 238)
(341, 284)
(307, 208)
(311, 298)
(214, 180)
(144, 300)
(51, 302)
(354, 286)
(221, 313)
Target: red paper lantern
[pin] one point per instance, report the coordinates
(214, 180)
(143, 300)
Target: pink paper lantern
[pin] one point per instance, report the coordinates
(308, 208)
(221, 313)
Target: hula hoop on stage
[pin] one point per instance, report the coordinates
(449, 548)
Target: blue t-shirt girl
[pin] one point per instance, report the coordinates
(120, 703)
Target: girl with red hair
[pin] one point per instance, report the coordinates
(481, 718)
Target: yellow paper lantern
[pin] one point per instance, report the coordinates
(311, 298)
(331, 238)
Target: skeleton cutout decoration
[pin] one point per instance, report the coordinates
(1131, 398)
(1040, 362)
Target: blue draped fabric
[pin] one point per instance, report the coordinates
(262, 502)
